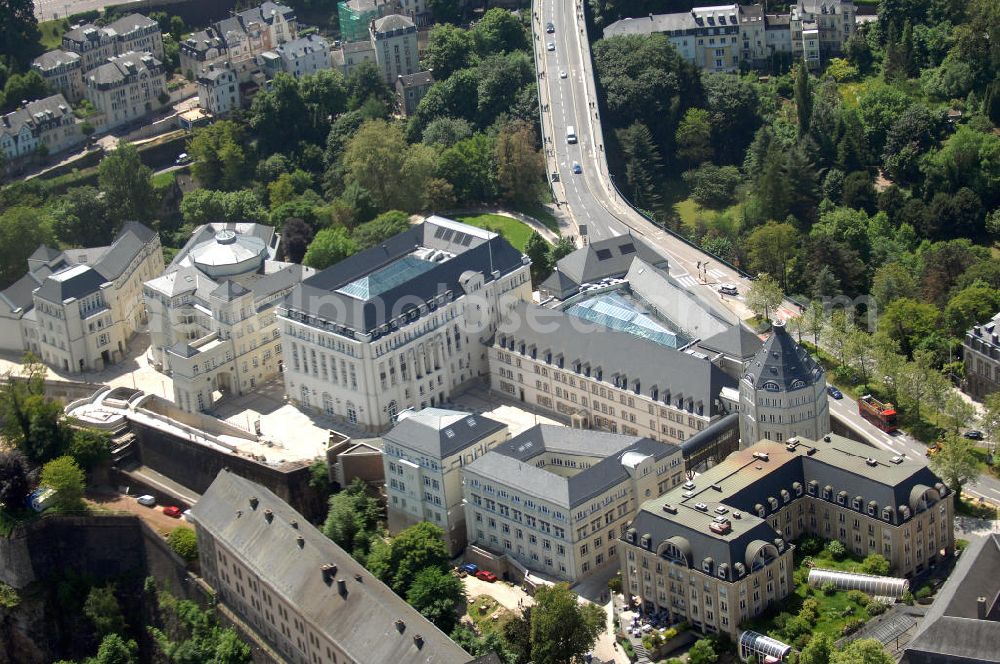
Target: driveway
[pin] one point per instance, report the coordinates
(153, 516)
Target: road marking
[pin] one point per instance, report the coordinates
(718, 274)
(687, 281)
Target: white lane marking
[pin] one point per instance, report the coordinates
(687, 282)
(718, 274)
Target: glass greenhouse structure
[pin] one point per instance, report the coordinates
(763, 648)
(886, 586)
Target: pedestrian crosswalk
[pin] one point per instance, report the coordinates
(687, 281)
(718, 274)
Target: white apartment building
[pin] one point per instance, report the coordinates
(400, 325)
(62, 71)
(304, 56)
(239, 39)
(783, 393)
(218, 89)
(557, 499)
(47, 123)
(423, 457)
(394, 39)
(77, 309)
(95, 45)
(212, 314)
(126, 88)
(726, 38)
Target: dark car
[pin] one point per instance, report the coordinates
(834, 392)
(550, 27)
(577, 168)
(469, 568)
(973, 434)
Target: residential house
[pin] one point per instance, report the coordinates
(62, 71)
(126, 88)
(218, 89)
(981, 353)
(394, 39)
(410, 89)
(47, 125)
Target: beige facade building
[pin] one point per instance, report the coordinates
(307, 598)
(218, 89)
(716, 551)
(95, 45)
(47, 125)
(212, 319)
(400, 325)
(423, 457)
(125, 88)
(63, 72)
(77, 309)
(981, 354)
(557, 499)
(394, 39)
(239, 39)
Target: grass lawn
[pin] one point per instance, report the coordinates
(161, 180)
(487, 613)
(52, 32)
(516, 232)
(689, 213)
(542, 214)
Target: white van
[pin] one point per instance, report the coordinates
(571, 134)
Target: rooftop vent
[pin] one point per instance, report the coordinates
(737, 515)
(827, 439)
(689, 485)
(268, 516)
(400, 626)
(254, 502)
(688, 494)
(358, 578)
(717, 488)
(329, 572)
(295, 524)
(418, 641)
(811, 451)
(721, 509)
(720, 527)
(669, 509)
(761, 456)
(342, 587)
(701, 506)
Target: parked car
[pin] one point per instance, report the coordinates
(172, 511)
(183, 158)
(146, 500)
(933, 449)
(550, 27)
(469, 568)
(484, 575)
(551, 46)
(973, 434)
(729, 289)
(186, 515)
(577, 168)
(562, 74)
(834, 392)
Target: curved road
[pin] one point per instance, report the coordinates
(589, 198)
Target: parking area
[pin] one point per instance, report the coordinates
(153, 516)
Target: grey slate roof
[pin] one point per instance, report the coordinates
(36, 114)
(745, 482)
(511, 462)
(600, 260)
(737, 341)
(362, 623)
(116, 70)
(415, 80)
(303, 45)
(393, 23)
(55, 58)
(127, 244)
(440, 433)
(229, 290)
(130, 23)
(673, 373)
(647, 25)
(321, 295)
(783, 361)
(951, 631)
(18, 296)
(73, 282)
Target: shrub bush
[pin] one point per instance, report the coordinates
(828, 588)
(837, 549)
(875, 609)
(853, 625)
(184, 543)
(858, 597)
(923, 592)
(810, 545)
(907, 598)
(875, 564)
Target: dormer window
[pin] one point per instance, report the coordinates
(771, 386)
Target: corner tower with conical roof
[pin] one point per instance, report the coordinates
(782, 393)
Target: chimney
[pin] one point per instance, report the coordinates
(400, 626)
(418, 641)
(981, 608)
(253, 502)
(301, 541)
(329, 572)
(342, 587)
(268, 516)
(295, 524)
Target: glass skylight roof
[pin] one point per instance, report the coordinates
(386, 278)
(618, 313)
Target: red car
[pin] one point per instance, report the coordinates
(172, 511)
(484, 575)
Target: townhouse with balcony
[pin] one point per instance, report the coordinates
(717, 551)
(47, 125)
(557, 499)
(125, 88)
(400, 325)
(62, 72)
(423, 457)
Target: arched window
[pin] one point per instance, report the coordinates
(771, 386)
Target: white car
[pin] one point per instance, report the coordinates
(562, 74)
(186, 515)
(551, 46)
(146, 500)
(728, 289)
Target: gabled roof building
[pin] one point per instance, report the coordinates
(300, 592)
(716, 551)
(46, 124)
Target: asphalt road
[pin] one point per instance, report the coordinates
(986, 486)
(47, 10)
(589, 197)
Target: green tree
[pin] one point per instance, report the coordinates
(203, 206)
(713, 186)
(353, 519)
(367, 90)
(860, 353)
(22, 229)
(415, 549)
(329, 246)
(971, 305)
(814, 320)
(562, 629)
(28, 86)
(19, 31)
(893, 281)
(437, 595)
(127, 185)
(82, 218)
(735, 109)
(445, 132)
(14, 484)
(990, 420)
(499, 31)
(219, 159)
(537, 249)
(771, 248)
(875, 563)
(520, 165)
(89, 447)
(818, 650)
(803, 97)
(694, 136)
(642, 165)
(374, 158)
(116, 650)
(66, 478)
(956, 462)
(563, 247)
(381, 228)
(184, 543)
(278, 115)
(702, 652)
(470, 167)
(909, 323)
(863, 651)
(102, 609)
(764, 296)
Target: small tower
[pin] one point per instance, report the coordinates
(782, 393)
